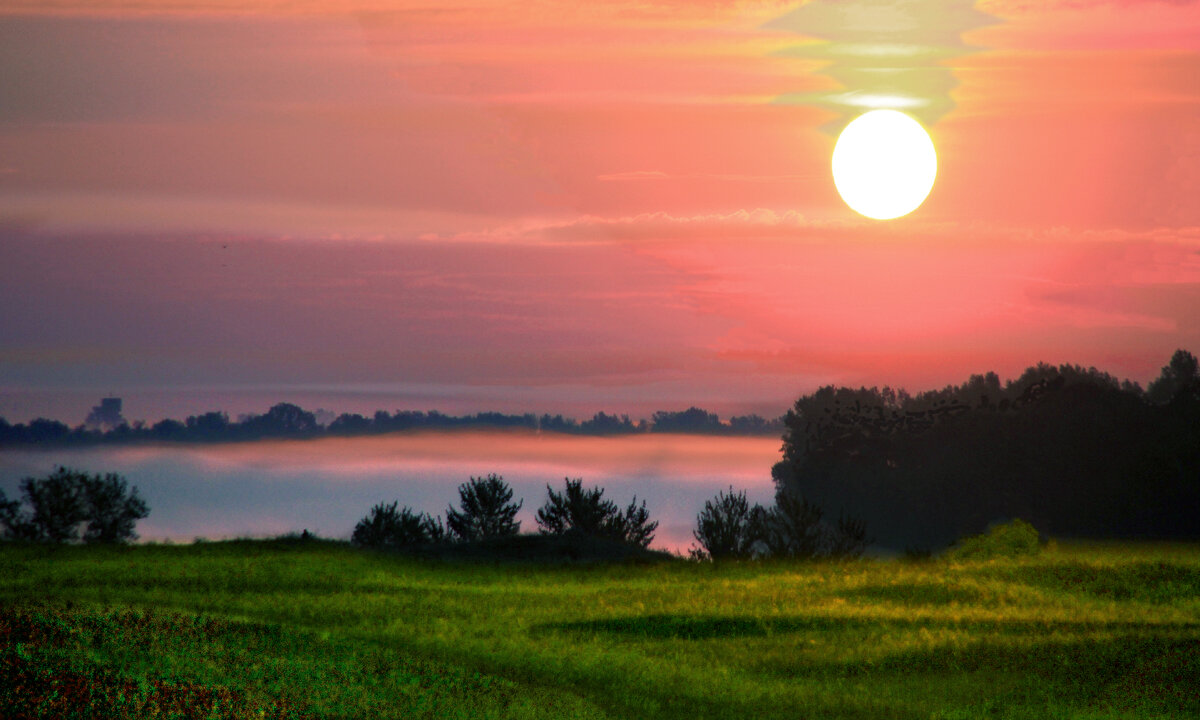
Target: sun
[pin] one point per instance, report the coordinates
(884, 164)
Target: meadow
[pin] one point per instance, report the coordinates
(289, 628)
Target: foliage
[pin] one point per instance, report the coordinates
(282, 420)
(326, 631)
(292, 421)
(924, 470)
(725, 528)
(1180, 378)
(792, 528)
(586, 511)
(388, 527)
(66, 498)
(1006, 540)
(486, 511)
(637, 527)
(848, 539)
(692, 420)
(576, 508)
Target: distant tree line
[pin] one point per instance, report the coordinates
(286, 420)
(1070, 449)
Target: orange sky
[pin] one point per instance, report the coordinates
(581, 206)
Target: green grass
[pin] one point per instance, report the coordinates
(279, 629)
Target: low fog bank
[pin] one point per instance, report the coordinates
(325, 486)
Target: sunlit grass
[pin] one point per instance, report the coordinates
(1080, 631)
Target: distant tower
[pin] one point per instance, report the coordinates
(106, 415)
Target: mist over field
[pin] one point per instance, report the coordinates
(271, 487)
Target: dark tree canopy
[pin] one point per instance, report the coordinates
(486, 511)
(792, 528)
(585, 510)
(388, 526)
(725, 527)
(292, 421)
(729, 528)
(1071, 449)
(692, 420)
(60, 502)
(1179, 378)
(282, 420)
(577, 508)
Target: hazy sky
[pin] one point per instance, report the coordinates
(579, 206)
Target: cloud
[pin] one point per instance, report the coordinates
(1011, 7)
(1066, 25)
(640, 175)
(756, 223)
(634, 175)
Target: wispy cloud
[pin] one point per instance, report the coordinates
(640, 175)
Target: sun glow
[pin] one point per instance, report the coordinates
(884, 164)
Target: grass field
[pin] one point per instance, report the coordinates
(290, 629)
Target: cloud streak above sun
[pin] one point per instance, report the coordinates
(610, 199)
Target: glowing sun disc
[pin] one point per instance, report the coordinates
(884, 164)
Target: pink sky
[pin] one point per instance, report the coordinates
(570, 207)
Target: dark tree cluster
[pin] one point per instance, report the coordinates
(53, 508)
(584, 510)
(730, 528)
(1073, 450)
(388, 527)
(286, 420)
(487, 512)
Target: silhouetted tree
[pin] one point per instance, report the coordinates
(1073, 449)
(580, 509)
(388, 527)
(112, 511)
(847, 539)
(168, 429)
(792, 528)
(487, 510)
(604, 424)
(586, 511)
(1180, 377)
(755, 425)
(349, 424)
(61, 501)
(282, 420)
(638, 528)
(725, 528)
(209, 426)
(692, 420)
(557, 423)
(43, 430)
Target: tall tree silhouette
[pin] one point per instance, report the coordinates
(486, 510)
(586, 511)
(1179, 377)
(1071, 449)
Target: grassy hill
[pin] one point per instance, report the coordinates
(318, 629)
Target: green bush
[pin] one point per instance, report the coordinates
(1011, 539)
